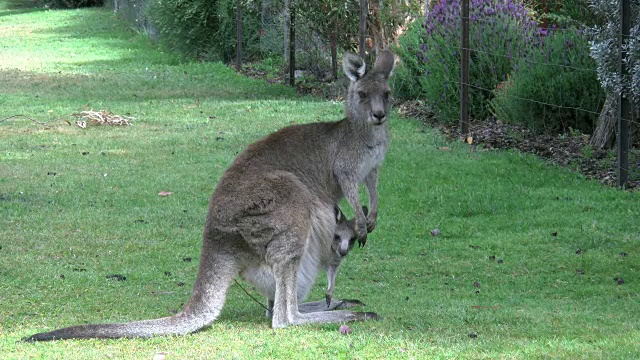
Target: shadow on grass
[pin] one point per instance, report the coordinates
(17, 7)
(126, 67)
(111, 85)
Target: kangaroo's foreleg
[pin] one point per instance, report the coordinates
(371, 182)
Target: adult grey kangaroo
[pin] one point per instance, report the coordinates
(273, 211)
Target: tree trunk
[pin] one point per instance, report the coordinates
(604, 135)
(362, 34)
(376, 27)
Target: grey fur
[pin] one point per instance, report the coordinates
(272, 213)
(343, 242)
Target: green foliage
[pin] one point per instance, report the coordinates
(335, 20)
(205, 29)
(605, 49)
(226, 31)
(500, 33)
(187, 26)
(405, 80)
(560, 73)
(565, 12)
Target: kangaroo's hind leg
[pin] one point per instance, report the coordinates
(285, 309)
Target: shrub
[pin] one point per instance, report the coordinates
(204, 29)
(226, 32)
(604, 49)
(405, 80)
(560, 73)
(501, 32)
(565, 13)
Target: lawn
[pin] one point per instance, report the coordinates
(525, 265)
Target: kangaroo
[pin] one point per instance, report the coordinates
(343, 241)
(273, 212)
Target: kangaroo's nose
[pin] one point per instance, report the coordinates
(379, 116)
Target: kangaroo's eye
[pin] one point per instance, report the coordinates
(336, 237)
(362, 94)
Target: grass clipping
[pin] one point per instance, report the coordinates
(102, 117)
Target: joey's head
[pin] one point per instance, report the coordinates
(368, 95)
(345, 234)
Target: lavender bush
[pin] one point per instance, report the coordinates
(555, 88)
(501, 32)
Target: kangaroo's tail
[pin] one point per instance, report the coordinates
(215, 274)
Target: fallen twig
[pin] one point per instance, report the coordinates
(25, 116)
(102, 117)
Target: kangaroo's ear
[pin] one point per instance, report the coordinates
(338, 214)
(365, 210)
(384, 63)
(353, 66)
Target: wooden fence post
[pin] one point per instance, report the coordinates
(464, 72)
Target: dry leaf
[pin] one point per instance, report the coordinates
(345, 330)
(469, 140)
(165, 193)
(445, 148)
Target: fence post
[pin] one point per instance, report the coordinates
(464, 71)
(624, 102)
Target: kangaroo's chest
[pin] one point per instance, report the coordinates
(373, 156)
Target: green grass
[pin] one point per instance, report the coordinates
(79, 204)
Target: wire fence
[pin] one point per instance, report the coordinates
(314, 57)
(623, 111)
(135, 12)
